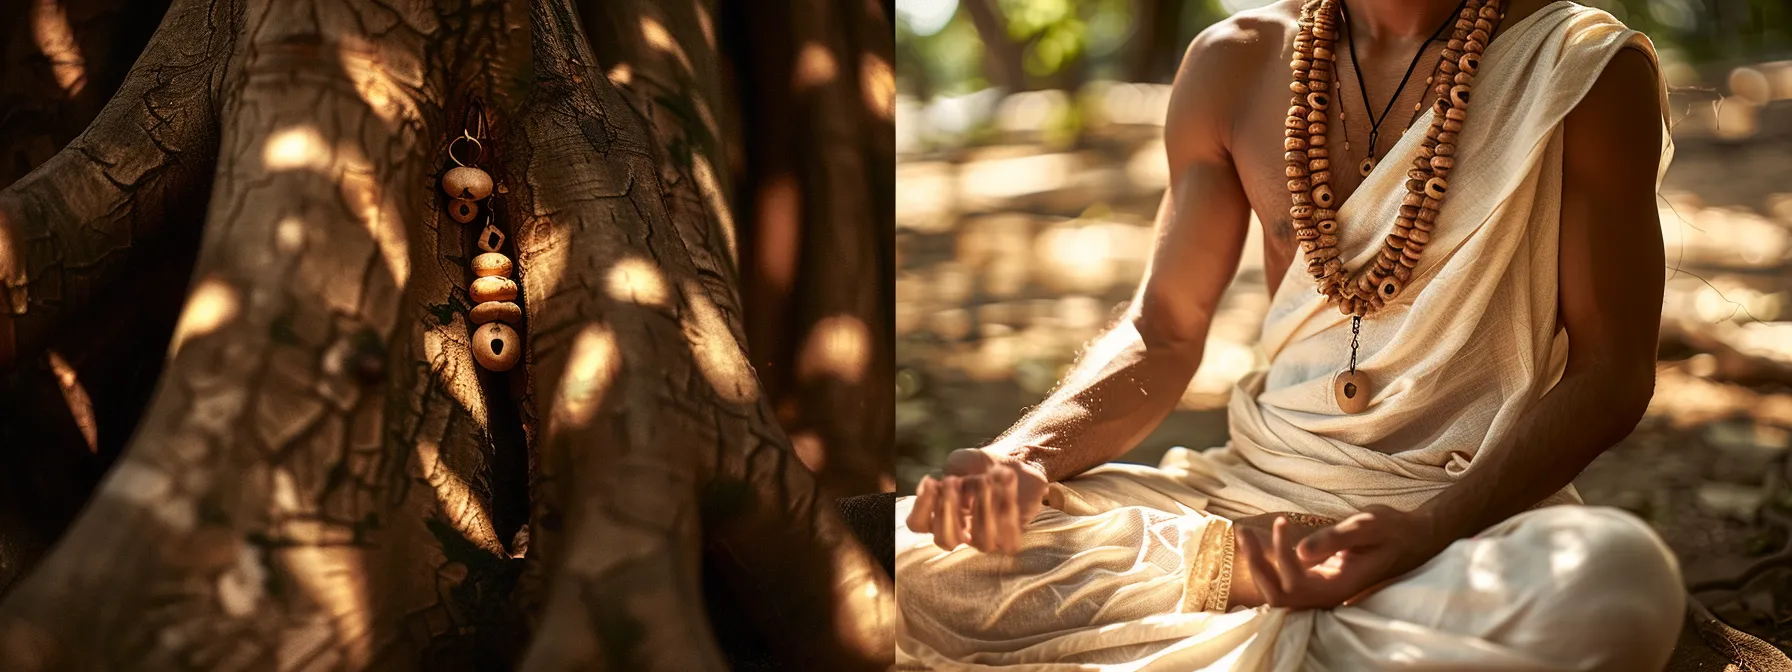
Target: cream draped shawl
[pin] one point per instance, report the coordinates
(1469, 346)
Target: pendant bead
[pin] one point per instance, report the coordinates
(491, 239)
(1469, 63)
(1459, 95)
(496, 311)
(1322, 196)
(496, 346)
(492, 288)
(462, 210)
(467, 182)
(491, 264)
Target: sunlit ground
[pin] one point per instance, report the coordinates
(1018, 241)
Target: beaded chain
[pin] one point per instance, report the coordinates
(1309, 166)
(496, 344)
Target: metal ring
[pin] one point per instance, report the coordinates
(478, 148)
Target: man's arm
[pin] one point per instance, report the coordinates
(1610, 288)
(1130, 378)
(1611, 262)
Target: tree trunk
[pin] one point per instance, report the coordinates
(323, 477)
(1003, 52)
(1153, 56)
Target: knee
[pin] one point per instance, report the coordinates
(1613, 582)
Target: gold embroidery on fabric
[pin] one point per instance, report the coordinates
(1210, 572)
(1221, 593)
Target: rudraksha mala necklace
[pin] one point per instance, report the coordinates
(1365, 290)
(496, 344)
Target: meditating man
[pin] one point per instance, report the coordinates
(1462, 246)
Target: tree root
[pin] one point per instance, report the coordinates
(323, 479)
(653, 408)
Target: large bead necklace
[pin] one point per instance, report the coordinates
(496, 344)
(1366, 290)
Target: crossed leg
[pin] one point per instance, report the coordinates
(1558, 588)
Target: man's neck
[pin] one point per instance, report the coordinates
(1397, 20)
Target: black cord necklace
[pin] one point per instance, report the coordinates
(1368, 164)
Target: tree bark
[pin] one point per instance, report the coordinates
(323, 477)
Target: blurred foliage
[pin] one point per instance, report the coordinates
(1064, 43)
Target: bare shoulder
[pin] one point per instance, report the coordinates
(1222, 67)
(1240, 43)
(1618, 121)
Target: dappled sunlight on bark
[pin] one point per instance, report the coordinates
(212, 304)
(75, 395)
(637, 280)
(718, 355)
(711, 189)
(462, 509)
(295, 148)
(779, 227)
(322, 479)
(815, 68)
(590, 370)
(879, 83)
(50, 28)
(373, 79)
(659, 38)
(837, 346)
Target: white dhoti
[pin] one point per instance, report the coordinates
(1116, 572)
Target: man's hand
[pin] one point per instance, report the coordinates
(1335, 564)
(984, 499)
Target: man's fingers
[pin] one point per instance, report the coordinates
(927, 497)
(948, 530)
(1282, 552)
(1263, 572)
(1007, 510)
(983, 518)
(1326, 542)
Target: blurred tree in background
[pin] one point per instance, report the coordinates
(949, 48)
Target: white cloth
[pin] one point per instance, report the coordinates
(1103, 577)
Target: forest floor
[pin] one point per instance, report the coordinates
(1011, 256)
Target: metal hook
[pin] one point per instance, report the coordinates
(478, 148)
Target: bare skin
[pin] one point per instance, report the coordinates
(1223, 141)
